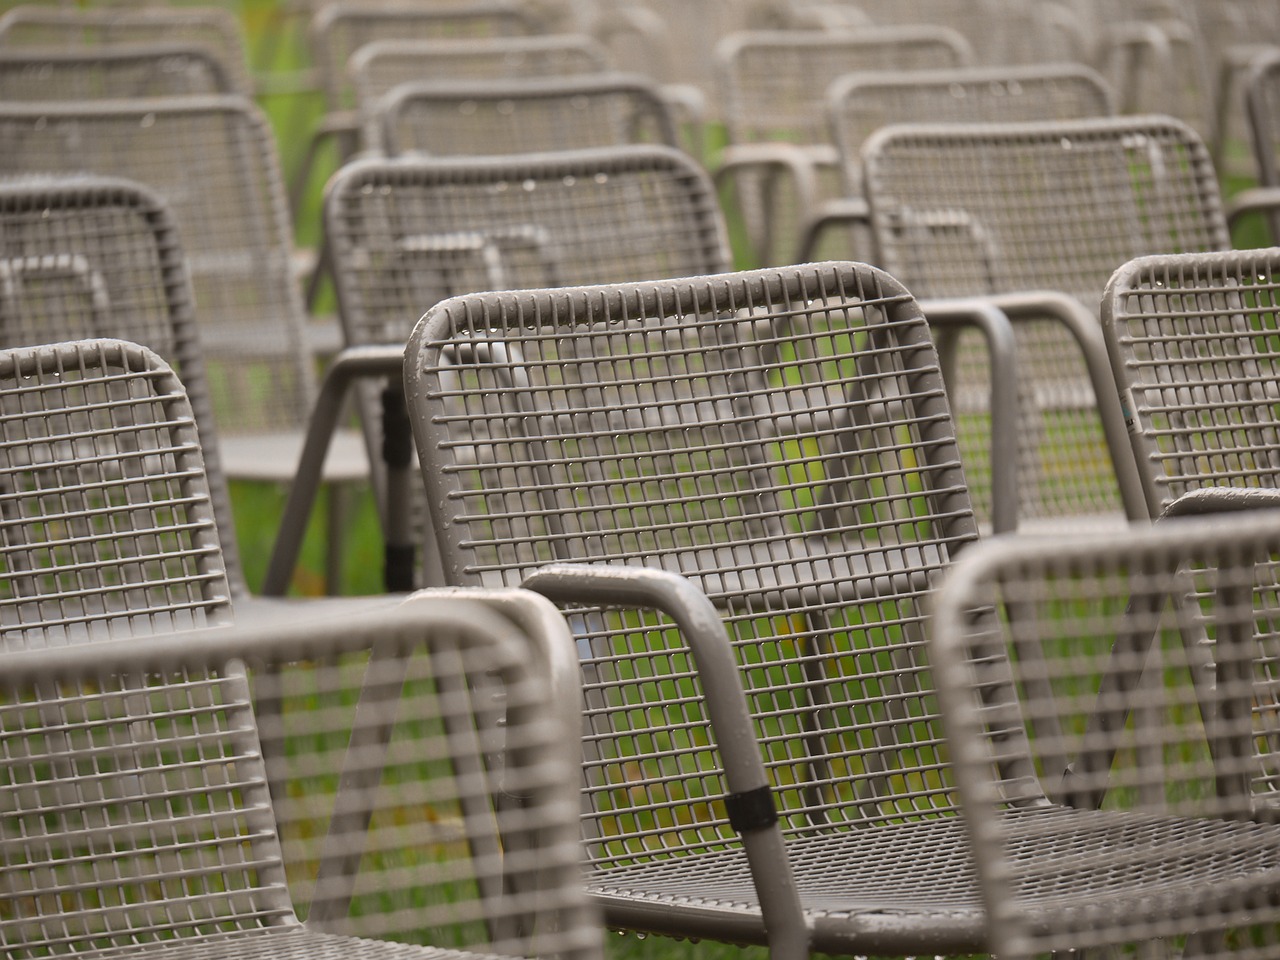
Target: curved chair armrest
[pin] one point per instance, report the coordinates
(1211, 500)
(1256, 200)
(841, 212)
(700, 624)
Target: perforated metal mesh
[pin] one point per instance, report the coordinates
(524, 116)
(861, 103)
(773, 88)
(1136, 700)
(408, 233)
(967, 211)
(780, 437)
(134, 70)
(1193, 347)
(213, 160)
(338, 30)
(107, 524)
(137, 807)
(379, 66)
(215, 29)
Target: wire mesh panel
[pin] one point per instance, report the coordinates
(379, 66)
(408, 233)
(1194, 345)
(859, 104)
(990, 26)
(215, 29)
(524, 116)
(126, 70)
(84, 256)
(773, 88)
(338, 30)
(970, 211)
(1126, 662)
(107, 525)
(213, 160)
(782, 438)
(138, 814)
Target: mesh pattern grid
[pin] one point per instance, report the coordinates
(107, 527)
(525, 116)
(964, 211)
(33, 26)
(379, 66)
(1128, 681)
(138, 809)
(407, 234)
(340, 29)
(785, 445)
(150, 70)
(213, 161)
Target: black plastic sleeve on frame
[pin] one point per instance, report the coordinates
(752, 810)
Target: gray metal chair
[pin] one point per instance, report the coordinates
(764, 458)
(395, 780)
(409, 232)
(779, 161)
(213, 160)
(380, 65)
(216, 29)
(859, 104)
(120, 70)
(527, 115)
(1029, 221)
(1262, 109)
(1073, 663)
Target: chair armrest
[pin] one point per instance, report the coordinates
(1256, 200)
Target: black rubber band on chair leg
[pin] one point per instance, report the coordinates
(752, 810)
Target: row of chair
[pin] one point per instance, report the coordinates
(800, 668)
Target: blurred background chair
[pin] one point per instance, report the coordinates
(109, 534)
(125, 70)
(1086, 651)
(778, 162)
(214, 28)
(767, 455)
(213, 160)
(1031, 220)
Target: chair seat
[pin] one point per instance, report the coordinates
(273, 457)
(886, 889)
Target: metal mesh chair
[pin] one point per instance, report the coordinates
(1192, 345)
(108, 534)
(151, 833)
(524, 116)
(780, 162)
(124, 70)
(213, 160)
(1262, 108)
(379, 66)
(769, 456)
(1032, 219)
(409, 232)
(215, 29)
(1083, 652)
(859, 104)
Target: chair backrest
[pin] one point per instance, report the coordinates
(379, 66)
(970, 210)
(1192, 340)
(90, 256)
(1102, 640)
(120, 70)
(409, 232)
(1262, 105)
(213, 159)
(988, 25)
(781, 437)
(216, 29)
(151, 826)
(339, 29)
(524, 116)
(109, 527)
(773, 83)
(858, 104)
